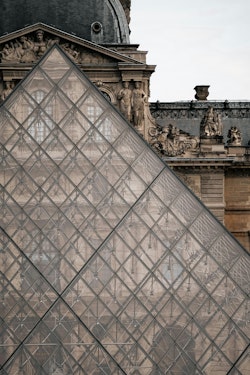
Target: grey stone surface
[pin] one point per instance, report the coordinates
(75, 16)
(187, 116)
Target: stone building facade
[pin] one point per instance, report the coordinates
(210, 155)
(211, 165)
(109, 263)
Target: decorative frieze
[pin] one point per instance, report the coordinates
(107, 68)
(30, 47)
(170, 141)
(197, 110)
(205, 119)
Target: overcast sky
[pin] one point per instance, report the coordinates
(195, 42)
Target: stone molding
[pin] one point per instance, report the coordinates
(23, 47)
(196, 110)
(228, 122)
(106, 67)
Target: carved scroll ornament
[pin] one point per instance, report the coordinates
(170, 141)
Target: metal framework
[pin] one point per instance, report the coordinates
(109, 264)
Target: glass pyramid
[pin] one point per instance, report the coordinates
(109, 264)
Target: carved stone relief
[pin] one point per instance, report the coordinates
(211, 124)
(234, 135)
(125, 101)
(170, 141)
(196, 110)
(138, 102)
(7, 90)
(132, 100)
(29, 48)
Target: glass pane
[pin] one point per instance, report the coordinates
(109, 264)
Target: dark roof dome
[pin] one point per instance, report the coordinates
(101, 21)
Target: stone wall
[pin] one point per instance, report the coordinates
(215, 168)
(237, 200)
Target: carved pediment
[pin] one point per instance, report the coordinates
(29, 44)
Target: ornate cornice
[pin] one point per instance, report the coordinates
(197, 109)
(53, 33)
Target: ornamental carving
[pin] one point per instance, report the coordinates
(234, 135)
(170, 141)
(138, 101)
(198, 109)
(211, 124)
(28, 49)
(9, 86)
(132, 103)
(125, 100)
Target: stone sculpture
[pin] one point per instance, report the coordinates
(170, 141)
(7, 90)
(138, 104)
(29, 48)
(125, 96)
(234, 135)
(211, 124)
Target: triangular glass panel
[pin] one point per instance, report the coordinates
(55, 65)
(109, 264)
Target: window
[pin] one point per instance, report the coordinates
(105, 129)
(94, 111)
(40, 122)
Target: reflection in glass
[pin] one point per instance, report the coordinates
(109, 265)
